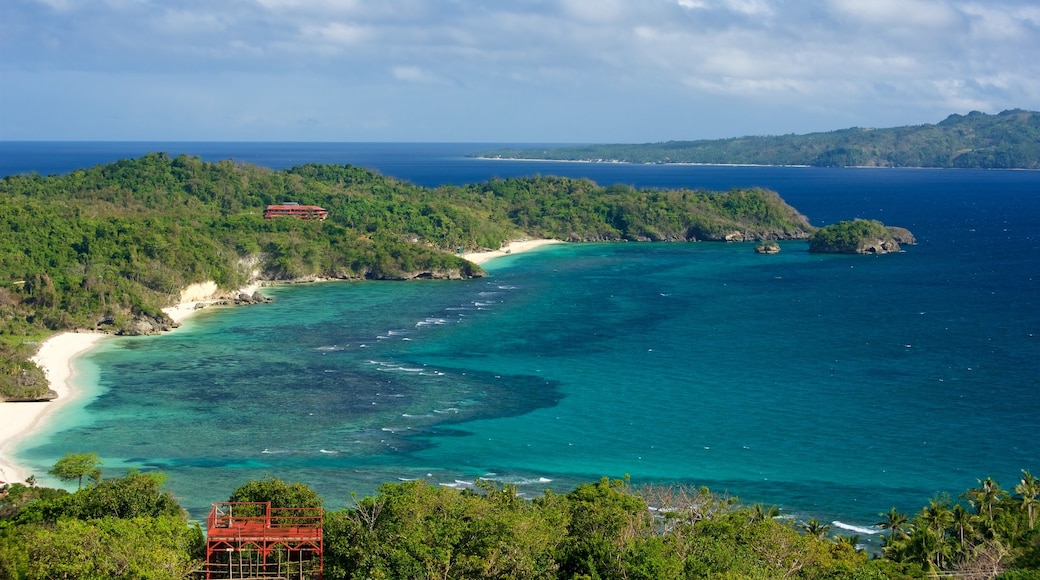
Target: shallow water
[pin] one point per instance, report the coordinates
(833, 386)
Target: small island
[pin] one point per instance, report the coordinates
(768, 247)
(859, 237)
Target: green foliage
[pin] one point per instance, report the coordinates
(135, 495)
(414, 530)
(849, 236)
(20, 379)
(1010, 140)
(108, 247)
(278, 492)
(110, 548)
(119, 528)
(74, 466)
(608, 529)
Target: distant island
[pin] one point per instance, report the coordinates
(1009, 140)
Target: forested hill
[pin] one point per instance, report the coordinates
(1009, 140)
(108, 247)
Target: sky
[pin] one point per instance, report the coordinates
(497, 71)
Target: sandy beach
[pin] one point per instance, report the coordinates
(55, 357)
(513, 247)
(19, 419)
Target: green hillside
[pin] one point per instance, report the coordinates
(108, 247)
(1009, 140)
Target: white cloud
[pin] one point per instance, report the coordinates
(850, 58)
(337, 33)
(412, 74)
(901, 14)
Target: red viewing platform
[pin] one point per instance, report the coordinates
(254, 540)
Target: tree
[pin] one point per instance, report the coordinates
(896, 523)
(929, 536)
(159, 548)
(816, 529)
(1029, 488)
(278, 492)
(75, 466)
(986, 499)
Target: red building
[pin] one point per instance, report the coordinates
(292, 209)
(254, 540)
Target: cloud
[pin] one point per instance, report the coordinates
(880, 15)
(829, 62)
(411, 74)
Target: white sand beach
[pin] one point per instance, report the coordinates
(513, 247)
(55, 356)
(19, 419)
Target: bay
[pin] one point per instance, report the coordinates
(834, 386)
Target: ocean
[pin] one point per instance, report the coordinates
(835, 387)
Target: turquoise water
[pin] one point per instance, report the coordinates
(834, 386)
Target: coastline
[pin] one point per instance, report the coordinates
(509, 248)
(56, 356)
(19, 420)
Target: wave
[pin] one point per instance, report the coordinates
(432, 322)
(327, 451)
(458, 484)
(527, 480)
(858, 529)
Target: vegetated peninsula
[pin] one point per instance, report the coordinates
(107, 248)
(1009, 140)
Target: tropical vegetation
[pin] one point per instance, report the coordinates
(858, 237)
(107, 247)
(130, 527)
(1009, 140)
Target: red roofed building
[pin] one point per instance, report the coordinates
(292, 209)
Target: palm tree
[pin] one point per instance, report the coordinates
(1029, 489)
(848, 542)
(935, 519)
(985, 500)
(815, 528)
(985, 497)
(964, 525)
(895, 523)
(760, 512)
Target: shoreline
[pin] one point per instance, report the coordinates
(56, 354)
(507, 249)
(19, 420)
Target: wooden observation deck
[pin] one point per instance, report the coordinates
(255, 541)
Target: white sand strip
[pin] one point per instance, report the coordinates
(55, 356)
(514, 247)
(18, 420)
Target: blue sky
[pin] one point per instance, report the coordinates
(563, 71)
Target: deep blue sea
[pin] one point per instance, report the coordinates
(835, 387)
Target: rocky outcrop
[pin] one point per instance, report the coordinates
(859, 237)
(769, 247)
(243, 299)
(144, 324)
(902, 236)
